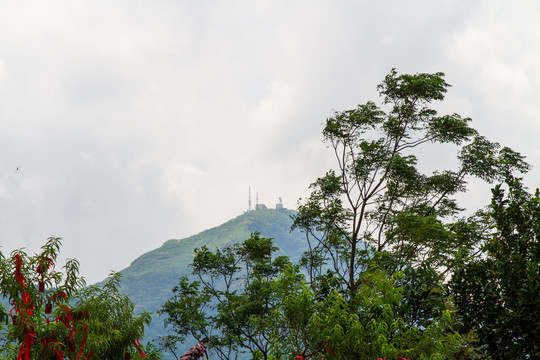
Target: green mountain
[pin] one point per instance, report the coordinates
(150, 278)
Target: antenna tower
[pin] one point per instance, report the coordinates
(249, 209)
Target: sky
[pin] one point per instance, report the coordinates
(134, 122)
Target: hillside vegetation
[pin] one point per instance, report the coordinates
(150, 278)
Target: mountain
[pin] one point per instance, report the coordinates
(150, 278)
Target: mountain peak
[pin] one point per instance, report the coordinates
(150, 278)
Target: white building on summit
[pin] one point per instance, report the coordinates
(258, 206)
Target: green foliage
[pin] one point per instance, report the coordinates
(53, 313)
(497, 294)
(112, 326)
(424, 295)
(268, 312)
(370, 324)
(245, 300)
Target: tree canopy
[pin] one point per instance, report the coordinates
(239, 301)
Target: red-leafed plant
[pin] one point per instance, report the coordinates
(52, 314)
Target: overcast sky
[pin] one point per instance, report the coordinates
(134, 122)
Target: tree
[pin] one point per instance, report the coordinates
(241, 302)
(497, 293)
(379, 210)
(379, 199)
(55, 316)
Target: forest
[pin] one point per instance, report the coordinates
(394, 266)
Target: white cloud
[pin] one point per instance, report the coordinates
(135, 122)
(179, 178)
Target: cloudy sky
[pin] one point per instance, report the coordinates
(133, 122)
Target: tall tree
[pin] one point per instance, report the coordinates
(378, 197)
(241, 301)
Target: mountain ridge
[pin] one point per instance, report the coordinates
(149, 279)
